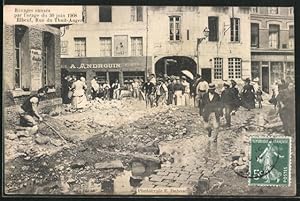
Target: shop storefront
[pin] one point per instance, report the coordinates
(271, 69)
(107, 68)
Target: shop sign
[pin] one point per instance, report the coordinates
(36, 69)
(89, 66)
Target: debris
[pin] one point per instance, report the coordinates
(41, 140)
(78, 164)
(116, 164)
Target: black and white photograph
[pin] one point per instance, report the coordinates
(148, 100)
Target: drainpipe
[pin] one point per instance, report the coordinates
(147, 29)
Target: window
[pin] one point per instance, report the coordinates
(80, 47)
(291, 36)
(273, 36)
(234, 68)
(187, 34)
(255, 72)
(290, 72)
(136, 46)
(48, 65)
(84, 14)
(105, 46)
(218, 68)
(105, 14)
(213, 26)
(277, 72)
(291, 11)
(64, 47)
(137, 13)
(254, 9)
(273, 10)
(18, 63)
(20, 79)
(174, 28)
(234, 29)
(254, 35)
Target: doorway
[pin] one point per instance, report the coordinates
(206, 74)
(113, 76)
(265, 78)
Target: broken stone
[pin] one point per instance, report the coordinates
(243, 169)
(235, 157)
(11, 136)
(78, 164)
(116, 164)
(203, 185)
(41, 140)
(71, 181)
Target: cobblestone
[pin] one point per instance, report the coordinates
(156, 178)
(175, 184)
(162, 173)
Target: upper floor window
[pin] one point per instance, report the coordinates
(291, 11)
(80, 47)
(273, 10)
(213, 26)
(274, 36)
(84, 14)
(19, 34)
(291, 36)
(254, 35)
(105, 14)
(218, 68)
(234, 68)
(254, 9)
(105, 46)
(136, 46)
(137, 13)
(235, 29)
(64, 47)
(175, 24)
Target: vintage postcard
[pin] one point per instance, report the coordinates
(149, 100)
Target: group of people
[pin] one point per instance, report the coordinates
(105, 90)
(167, 91)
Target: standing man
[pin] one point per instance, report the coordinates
(135, 87)
(201, 89)
(29, 110)
(178, 91)
(212, 112)
(95, 88)
(170, 91)
(227, 99)
(116, 89)
(149, 90)
(193, 89)
(187, 91)
(106, 88)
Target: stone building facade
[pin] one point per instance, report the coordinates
(124, 42)
(272, 45)
(31, 60)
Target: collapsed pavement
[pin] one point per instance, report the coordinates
(101, 144)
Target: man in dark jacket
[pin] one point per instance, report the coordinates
(149, 90)
(29, 110)
(212, 111)
(227, 99)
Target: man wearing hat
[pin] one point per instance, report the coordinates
(227, 99)
(201, 89)
(29, 110)
(212, 112)
(186, 92)
(149, 90)
(170, 86)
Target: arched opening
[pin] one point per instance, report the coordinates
(173, 65)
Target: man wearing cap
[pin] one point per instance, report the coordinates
(170, 86)
(135, 87)
(227, 99)
(29, 110)
(212, 112)
(186, 92)
(201, 89)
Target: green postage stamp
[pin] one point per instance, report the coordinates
(270, 163)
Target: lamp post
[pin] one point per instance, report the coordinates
(199, 40)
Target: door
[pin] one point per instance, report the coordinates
(206, 74)
(113, 76)
(265, 79)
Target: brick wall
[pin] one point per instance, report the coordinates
(8, 58)
(32, 39)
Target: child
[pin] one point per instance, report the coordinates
(259, 97)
